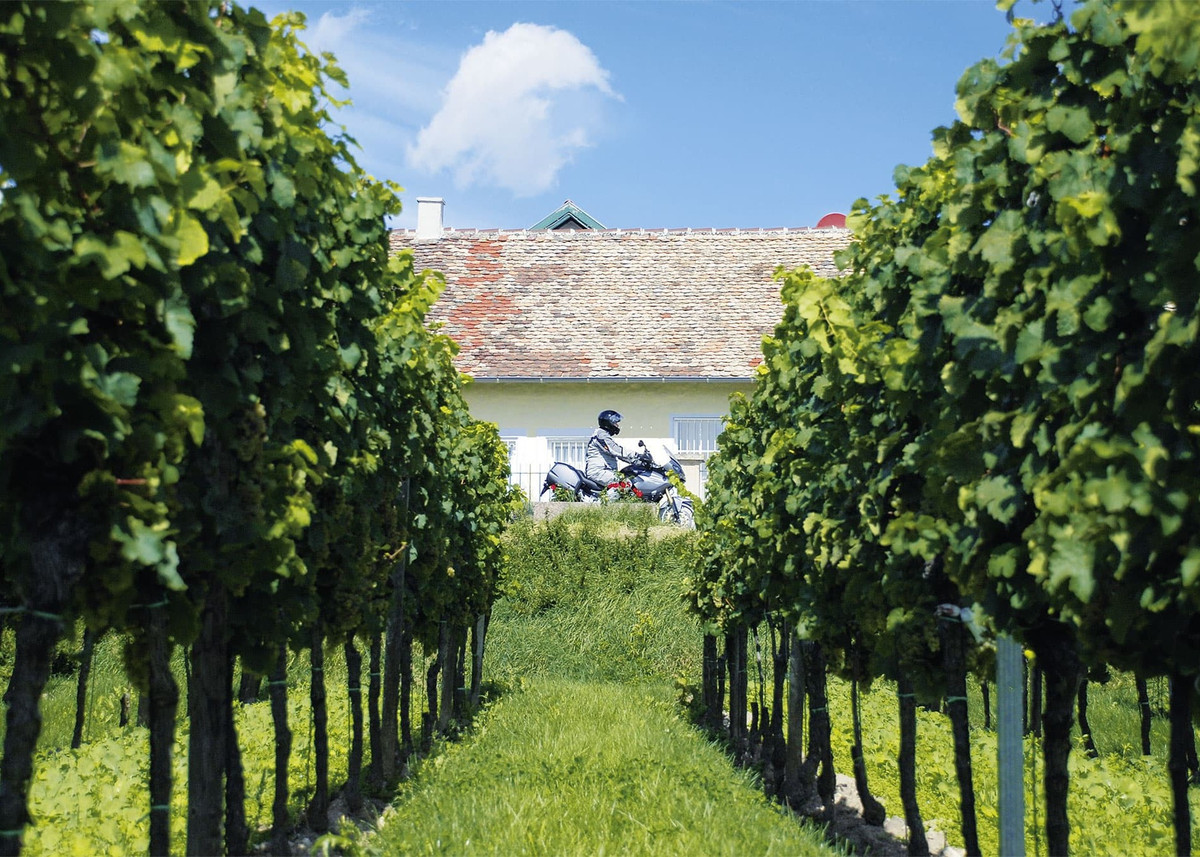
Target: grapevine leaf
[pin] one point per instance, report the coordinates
(180, 323)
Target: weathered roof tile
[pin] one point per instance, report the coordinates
(615, 303)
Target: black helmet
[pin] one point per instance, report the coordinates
(610, 421)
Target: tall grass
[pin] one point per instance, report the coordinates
(1119, 803)
(569, 767)
(585, 751)
(94, 800)
(595, 594)
(574, 609)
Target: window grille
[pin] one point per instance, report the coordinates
(696, 435)
(572, 450)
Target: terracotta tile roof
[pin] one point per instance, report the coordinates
(615, 304)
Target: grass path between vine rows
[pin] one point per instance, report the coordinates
(567, 767)
(586, 751)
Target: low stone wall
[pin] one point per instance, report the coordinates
(544, 511)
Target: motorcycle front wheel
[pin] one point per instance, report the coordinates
(677, 510)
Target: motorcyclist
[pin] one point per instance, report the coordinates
(603, 451)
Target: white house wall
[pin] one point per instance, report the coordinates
(528, 413)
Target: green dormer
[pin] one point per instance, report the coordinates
(568, 216)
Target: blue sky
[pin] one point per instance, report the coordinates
(648, 114)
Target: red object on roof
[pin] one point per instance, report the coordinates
(834, 219)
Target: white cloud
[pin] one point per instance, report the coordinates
(390, 75)
(520, 106)
(331, 31)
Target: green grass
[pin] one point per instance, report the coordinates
(585, 750)
(103, 700)
(95, 800)
(593, 605)
(566, 767)
(1119, 804)
(594, 596)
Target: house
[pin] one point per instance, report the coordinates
(562, 320)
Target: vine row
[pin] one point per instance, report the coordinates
(224, 425)
(988, 424)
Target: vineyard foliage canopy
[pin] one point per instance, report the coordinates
(223, 421)
(995, 406)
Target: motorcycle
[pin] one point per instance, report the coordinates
(646, 479)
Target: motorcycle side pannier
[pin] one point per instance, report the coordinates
(563, 475)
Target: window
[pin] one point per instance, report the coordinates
(510, 443)
(696, 436)
(572, 450)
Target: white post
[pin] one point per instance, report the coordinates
(1010, 706)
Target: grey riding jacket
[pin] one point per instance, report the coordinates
(603, 455)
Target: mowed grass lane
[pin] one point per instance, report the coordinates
(564, 767)
(585, 750)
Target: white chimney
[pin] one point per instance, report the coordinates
(429, 217)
